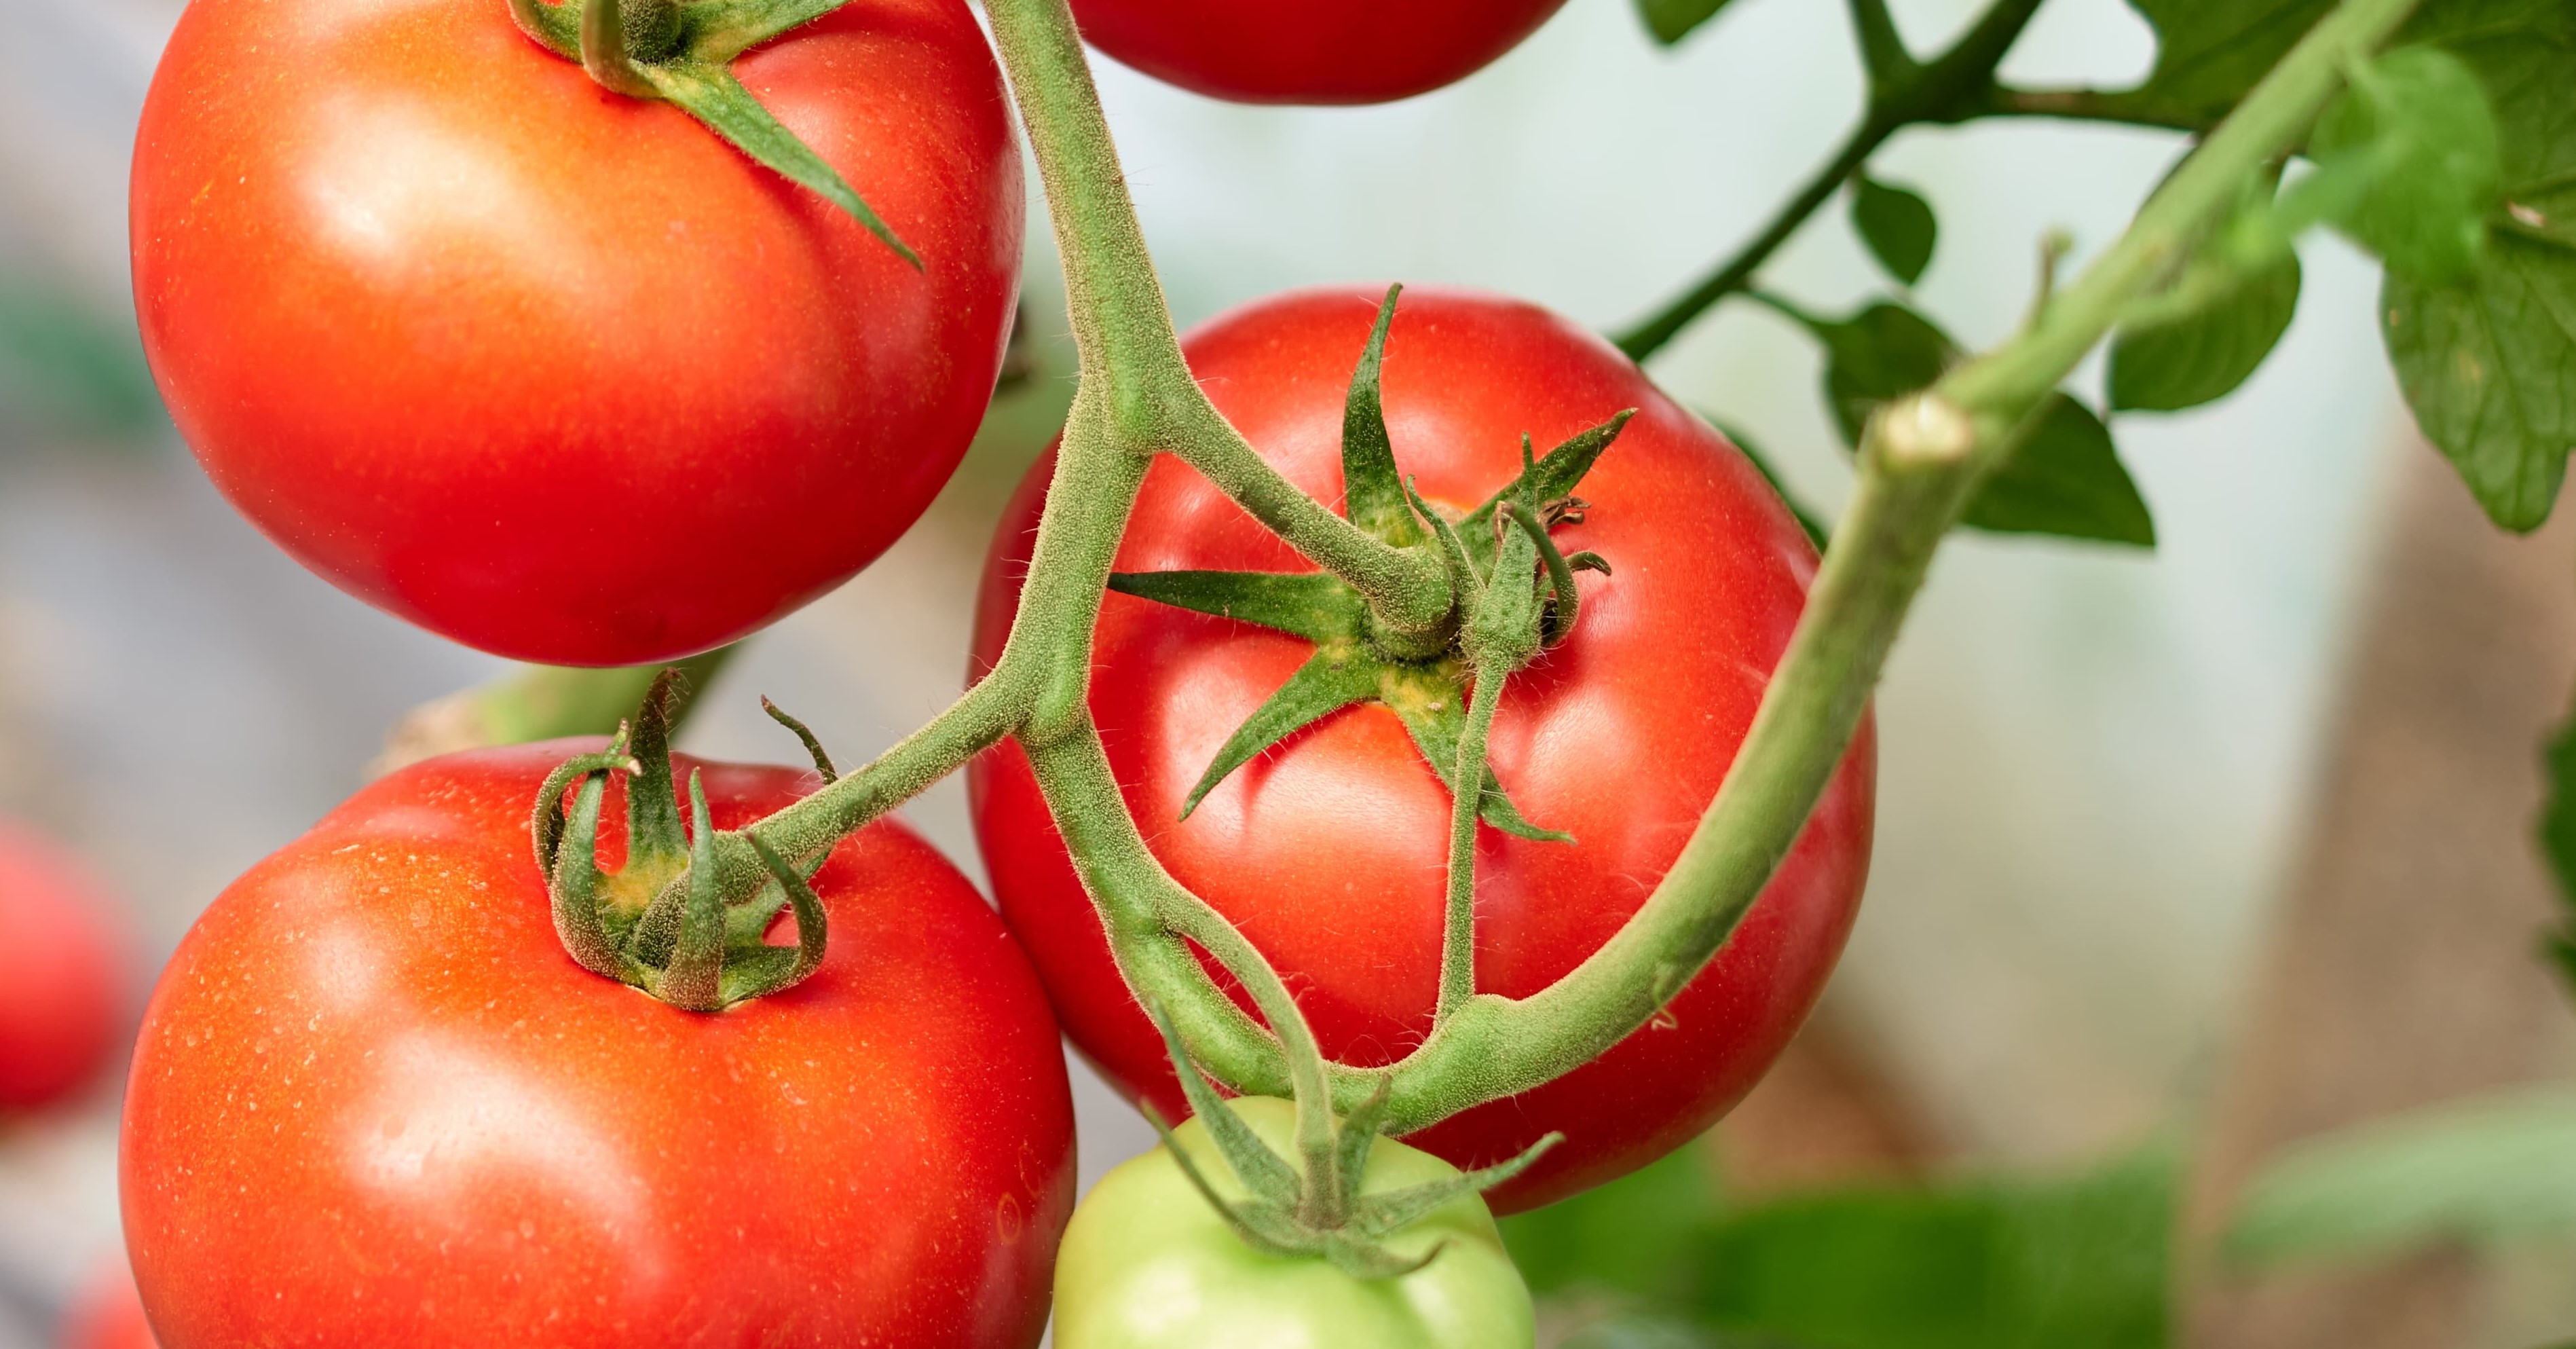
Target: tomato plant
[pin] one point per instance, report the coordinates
(63, 993)
(1149, 1264)
(1328, 851)
(556, 373)
(1322, 51)
(375, 1101)
(1343, 747)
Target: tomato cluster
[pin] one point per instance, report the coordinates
(556, 372)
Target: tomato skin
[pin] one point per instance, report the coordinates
(62, 981)
(1330, 850)
(1147, 1264)
(375, 1103)
(555, 372)
(1316, 51)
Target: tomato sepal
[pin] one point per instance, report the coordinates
(672, 921)
(683, 54)
(1355, 659)
(1318, 1212)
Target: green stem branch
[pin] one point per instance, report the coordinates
(1920, 462)
(1952, 87)
(1458, 929)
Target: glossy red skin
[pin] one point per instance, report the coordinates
(62, 982)
(1310, 51)
(555, 372)
(1329, 852)
(375, 1103)
(109, 1314)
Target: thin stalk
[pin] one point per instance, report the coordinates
(1919, 464)
(1130, 356)
(1458, 931)
(1952, 87)
(541, 702)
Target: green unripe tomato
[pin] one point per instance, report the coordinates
(1147, 1264)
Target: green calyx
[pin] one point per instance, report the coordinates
(662, 923)
(1317, 1211)
(1515, 596)
(682, 51)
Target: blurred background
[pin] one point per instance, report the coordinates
(2190, 854)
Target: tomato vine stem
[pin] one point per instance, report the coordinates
(1955, 86)
(1920, 462)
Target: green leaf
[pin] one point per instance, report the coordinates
(2017, 1265)
(2064, 479)
(2209, 52)
(1629, 1236)
(2184, 360)
(2557, 837)
(1808, 520)
(1897, 224)
(1672, 20)
(2484, 365)
(71, 365)
(1885, 351)
(1317, 606)
(2498, 1168)
(2408, 162)
(1335, 677)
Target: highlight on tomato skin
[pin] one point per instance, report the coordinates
(1328, 850)
(63, 985)
(373, 1062)
(555, 372)
(1318, 51)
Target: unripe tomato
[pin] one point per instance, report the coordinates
(1330, 850)
(1310, 51)
(1147, 1264)
(376, 1103)
(62, 986)
(553, 371)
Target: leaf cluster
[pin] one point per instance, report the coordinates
(1985, 1264)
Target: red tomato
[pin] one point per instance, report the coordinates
(1330, 850)
(556, 372)
(1312, 51)
(109, 1314)
(62, 986)
(375, 1102)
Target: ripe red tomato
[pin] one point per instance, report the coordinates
(109, 1314)
(556, 372)
(375, 1102)
(1316, 51)
(1330, 850)
(62, 986)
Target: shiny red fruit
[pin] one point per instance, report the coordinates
(1310, 51)
(552, 371)
(1329, 851)
(62, 981)
(375, 1103)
